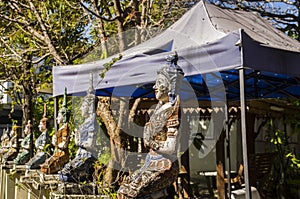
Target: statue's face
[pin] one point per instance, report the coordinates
(26, 130)
(59, 118)
(161, 88)
(84, 109)
(12, 132)
(42, 127)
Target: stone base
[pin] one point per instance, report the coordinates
(6, 166)
(49, 178)
(75, 196)
(48, 181)
(30, 176)
(19, 167)
(10, 163)
(77, 189)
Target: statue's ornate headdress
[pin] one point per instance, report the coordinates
(45, 120)
(5, 131)
(29, 126)
(15, 128)
(90, 95)
(64, 109)
(174, 75)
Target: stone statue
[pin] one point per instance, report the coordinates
(81, 168)
(25, 146)
(5, 138)
(12, 152)
(60, 141)
(40, 144)
(161, 168)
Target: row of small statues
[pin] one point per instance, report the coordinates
(77, 170)
(161, 134)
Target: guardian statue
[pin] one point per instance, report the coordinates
(25, 146)
(60, 140)
(161, 134)
(12, 152)
(81, 168)
(40, 144)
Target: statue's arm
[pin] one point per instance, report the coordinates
(65, 137)
(13, 141)
(42, 141)
(26, 143)
(169, 146)
(90, 138)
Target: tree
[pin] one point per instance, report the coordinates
(36, 35)
(283, 14)
(117, 25)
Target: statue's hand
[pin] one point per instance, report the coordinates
(61, 145)
(75, 131)
(168, 146)
(41, 147)
(154, 145)
(172, 131)
(84, 145)
(54, 140)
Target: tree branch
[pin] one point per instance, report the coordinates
(7, 46)
(47, 39)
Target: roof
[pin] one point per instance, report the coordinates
(258, 28)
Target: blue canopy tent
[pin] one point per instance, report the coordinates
(225, 55)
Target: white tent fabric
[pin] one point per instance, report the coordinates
(207, 39)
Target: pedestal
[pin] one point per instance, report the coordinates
(49, 181)
(29, 177)
(2, 181)
(75, 196)
(7, 182)
(77, 189)
(21, 191)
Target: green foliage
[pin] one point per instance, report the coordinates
(295, 163)
(286, 167)
(108, 65)
(136, 21)
(72, 147)
(35, 36)
(103, 187)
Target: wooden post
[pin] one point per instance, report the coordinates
(220, 181)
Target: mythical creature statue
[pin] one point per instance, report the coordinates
(60, 141)
(12, 152)
(25, 146)
(81, 168)
(161, 134)
(5, 141)
(40, 144)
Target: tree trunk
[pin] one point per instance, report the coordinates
(101, 30)
(115, 127)
(27, 108)
(103, 110)
(121, 31)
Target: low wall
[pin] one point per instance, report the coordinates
(19, 183)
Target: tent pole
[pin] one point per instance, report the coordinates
(55, 113)
(244, 131)
(228, 149)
